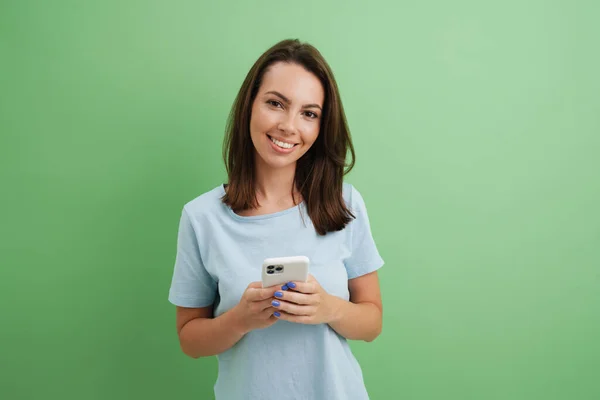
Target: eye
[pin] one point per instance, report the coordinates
(312, 115)
(273, 103)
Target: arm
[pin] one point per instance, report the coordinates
(361, 317)
(201, 335)
(357, 319)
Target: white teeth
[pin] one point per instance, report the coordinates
(281, 144)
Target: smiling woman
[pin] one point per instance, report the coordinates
(285, 149)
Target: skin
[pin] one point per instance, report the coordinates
(296, 122)
(287, 107)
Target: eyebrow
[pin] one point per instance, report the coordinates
(288, 100)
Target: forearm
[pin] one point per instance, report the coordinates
(203, 337)
(362, 321)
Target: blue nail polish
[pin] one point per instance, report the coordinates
(277, 314)
(284, 287)
(278, 294)
(291, 285)
(275, 303)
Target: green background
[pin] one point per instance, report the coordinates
(477, 134)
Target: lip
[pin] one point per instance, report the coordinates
(281, 140)
(279, 149)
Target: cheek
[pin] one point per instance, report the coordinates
(261, 121)
(311, 135)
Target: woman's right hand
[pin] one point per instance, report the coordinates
(254, 311)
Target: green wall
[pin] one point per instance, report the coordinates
(477, 131)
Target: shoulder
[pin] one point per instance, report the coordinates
(205, 204)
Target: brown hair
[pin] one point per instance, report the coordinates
(320, 171)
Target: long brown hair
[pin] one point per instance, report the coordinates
(320, 171)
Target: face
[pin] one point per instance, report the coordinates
(286, 115)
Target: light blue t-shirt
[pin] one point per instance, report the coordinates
(219, 253)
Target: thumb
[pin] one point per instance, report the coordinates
(255, 285)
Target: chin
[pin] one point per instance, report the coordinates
(279, 162)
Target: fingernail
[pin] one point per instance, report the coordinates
(275, 303)
(277, 314)
(291, 284)
(284, 287)
(278, 294)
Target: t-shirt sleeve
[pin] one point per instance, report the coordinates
(191, 285)
(365, 257)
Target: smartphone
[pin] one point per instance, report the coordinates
(280, 270)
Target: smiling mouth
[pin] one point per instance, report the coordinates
(281, 144)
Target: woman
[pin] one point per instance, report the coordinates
(285, 151)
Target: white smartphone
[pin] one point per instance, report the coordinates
(280, 270)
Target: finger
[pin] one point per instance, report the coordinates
(300, 319)
(292, 308)
(255, 285)
(304, 287)
(268, 312)
(296, 297)
(292, 285)
(256, 294)
(264, 304)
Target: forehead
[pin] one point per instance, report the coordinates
(294, 82)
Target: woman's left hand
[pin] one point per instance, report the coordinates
(305, 303)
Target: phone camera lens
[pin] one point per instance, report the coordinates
(279, 268)
(270, 272)
(270, 267)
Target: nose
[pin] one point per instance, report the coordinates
(287, 124)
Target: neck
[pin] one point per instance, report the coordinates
(275, 185)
